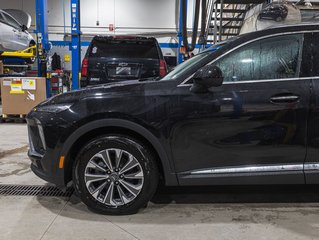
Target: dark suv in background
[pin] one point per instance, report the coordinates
(118, 58)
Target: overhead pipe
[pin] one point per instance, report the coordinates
(202, 38)
(195, 25)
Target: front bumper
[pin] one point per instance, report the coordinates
(44, 159)
(38, 170)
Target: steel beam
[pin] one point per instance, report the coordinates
(42, 23)
(43, 44)
(75, 42)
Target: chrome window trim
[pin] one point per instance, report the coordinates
(266, 80)
(313, 166)
(248, 169)
(246, 43)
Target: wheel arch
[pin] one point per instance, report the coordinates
(32, 42)
(117, 126)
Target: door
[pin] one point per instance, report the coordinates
(6, 34)
(252, 129)
(312, 162)
(18, 37)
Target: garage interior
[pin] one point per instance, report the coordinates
(62, 30)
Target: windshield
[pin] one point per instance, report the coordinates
(185, 66)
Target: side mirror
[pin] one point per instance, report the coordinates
(207, 77)
(24, 28)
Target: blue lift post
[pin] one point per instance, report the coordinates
(180, 32)
(43, 37)
(75, 42)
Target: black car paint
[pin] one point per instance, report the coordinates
(187, 129)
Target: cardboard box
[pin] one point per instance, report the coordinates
(1, 73)
(21, 94)
(1, 68)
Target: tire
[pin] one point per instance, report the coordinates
(30, 60)
(278, 19)
(121, 190)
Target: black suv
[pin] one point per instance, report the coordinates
(273, 11)
(245, 111)
(119, 58)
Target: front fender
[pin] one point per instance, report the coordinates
(168, 167)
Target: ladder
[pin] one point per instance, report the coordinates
(225, 18)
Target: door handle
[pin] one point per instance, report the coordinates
(285, 98)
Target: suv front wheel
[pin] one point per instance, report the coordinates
(115, 174)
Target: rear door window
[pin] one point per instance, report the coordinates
(124, 49)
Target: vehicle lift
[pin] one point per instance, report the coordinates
(44, 45)
(30, 52)
(75, 43)
(18, 58)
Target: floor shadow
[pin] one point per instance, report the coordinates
(228, 195)
(238, 194)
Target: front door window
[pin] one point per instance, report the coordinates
(267, 59)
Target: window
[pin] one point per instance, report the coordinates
(186, 66)
(271, 58)
(315, 53)
(11, 21)
(1, 18)
(118, 48)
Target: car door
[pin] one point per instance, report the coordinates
(252, 129)
(18, 42)
(312, 162)
(6, 34)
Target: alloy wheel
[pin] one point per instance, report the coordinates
(114, 177)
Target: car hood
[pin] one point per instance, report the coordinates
(111, 89)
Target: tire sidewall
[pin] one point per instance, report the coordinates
(134, 147)
(278, 19)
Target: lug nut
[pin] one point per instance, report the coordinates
(116, 169)
(122, 176)
(108, 180)
(116, 183)
(108, 172)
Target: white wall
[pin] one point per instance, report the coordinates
(149, 17)
(126, 15)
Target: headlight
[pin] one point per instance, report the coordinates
(54, 108)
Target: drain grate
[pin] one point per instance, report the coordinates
(33, 190)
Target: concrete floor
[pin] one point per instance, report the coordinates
(175, 213)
